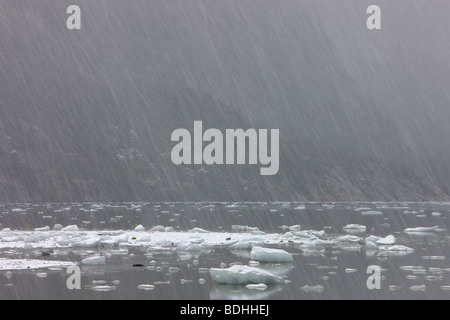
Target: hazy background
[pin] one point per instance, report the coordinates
(86, 115)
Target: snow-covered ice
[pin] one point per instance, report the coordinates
(240, 274)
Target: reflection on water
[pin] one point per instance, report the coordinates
(325, 270)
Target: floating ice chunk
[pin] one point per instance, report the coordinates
(57, 227)
(288, 235)
(258, 286)
(198, 230)
(120, 238)
(354, 227)
(188, 246)
(109, 243)
(296, 227)
(46, 228)
(72, 227)
(28, 246)
(371, 245)
(93, 242)
(169, 229)
(418, 288)
(372, 239)
(349, 270)
(146, 287)
(6, 230)
(143, 238)
(246, 244)
(36, 237)
(270, 255)
(436, 214)
(399, 248)
(8, 274)
(158, 228)
(349, 238)
(309, 234)
(173, 269)
(371, 213)
(103, 288)
(41, 275)
(239, 274)
(389, 240)
(420, 229)
(139, 228)
(314, 289)
(94, 261)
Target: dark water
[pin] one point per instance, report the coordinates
(192, 281)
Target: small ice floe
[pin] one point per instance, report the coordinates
(436, 214)
(94, 261)
(173, 269)
(143, 238)
(420, 229)
(57, 227)
(309, 234)
(313, 289)
(36, 237)
(201, 281)
(184, 281)
(349, 239)
(419, 288)
(389, 240)
(394, 287)
(99, 282)
(350, 270)
(257, 286)
(239, 274)
(270, 255)
(296, 227)
(445, 288)
(103, 288)
(354, 228)
(434, 278)
(92, 242)
(372, 213)
(247, 244)
(41, 275)
(188, 246)
(46, 228)
(139, 228)
(399, 248)
(72, 227)
(300, 207)
(434, 257)
(8, 274)
(198, 230)
(146, 287)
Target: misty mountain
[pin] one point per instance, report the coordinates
(87, 115)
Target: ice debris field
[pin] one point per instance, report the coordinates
(266, 256)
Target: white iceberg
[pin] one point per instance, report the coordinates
(188, 246)
(243, 275)
(270, 255)
(94, 261)
(389, 240)
(420, 229)
(72, 227)
(139, 228)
